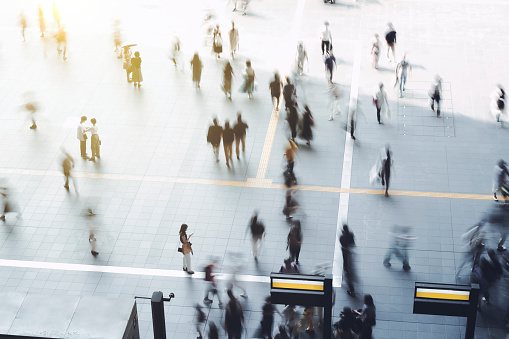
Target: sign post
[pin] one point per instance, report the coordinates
(450, 300)
(304, 290)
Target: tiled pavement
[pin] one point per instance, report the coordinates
(159, 131)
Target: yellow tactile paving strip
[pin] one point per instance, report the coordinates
(267, 146)
(251, 182)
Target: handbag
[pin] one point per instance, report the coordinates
(179, 250)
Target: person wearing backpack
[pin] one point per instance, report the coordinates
(257, 232)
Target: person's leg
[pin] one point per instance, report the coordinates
(225, 147)
(188, 262)
(352, 128)
(65, 50)
(323, 46)
(254, 245)
(388, 256)
(237, 150)
(438, 107)
(215, 148)
(66, 185)
(387, 177)
(243, 140)
(378, 109)
(297, 254)
(83, 148)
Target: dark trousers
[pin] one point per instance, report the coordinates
(433, 105)
(348, 268)
(386, 175)
(352, 128)
(325, 46)
(378, 110)
(83, 148)
(294, 253)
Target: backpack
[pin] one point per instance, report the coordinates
(208, 273)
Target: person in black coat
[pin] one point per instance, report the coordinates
(240, 134)
(293, 119)
(307, 122)
(347, 241)
(289, 94)
(214, 137)
(228, 138)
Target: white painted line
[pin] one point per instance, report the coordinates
(344, 198)
(123, 270)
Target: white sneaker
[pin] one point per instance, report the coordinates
(331, 118)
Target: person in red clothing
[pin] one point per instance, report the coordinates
(211, 284)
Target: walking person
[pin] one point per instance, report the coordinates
(82, 137)
(61, 37)
(186, 248)
(213, 332)
(197, 66)
(352, 119)
(94, 140)
(257, 232)
(92, 227)
(56, 14)
(235, 267)
(375, 51)
(500, 179)
(289, 267)
(293, 120)
(401, 239)
(42, 24)
(136, 69)
(214, 137)
(335, 95)
(67, 166)
(403, 69)
(368, 317)
(497, 103)
(23, 24)
(217, 44)
(249, 80)
(326, 38)
(211, 284)
(380, 101)
(233, 317)
(347, 241)
(486, 275)
(436, 94)
(7, 204)
(267, 322)
(330, 63)
(307, 122)
(127, 62)
(239, 130)
(390, 38)
(289, 94)
(300, 57)
(275, 90)
(386, 169)
(228, 138)
(117, 38)
(31, 107)
(290, 155)
(227, 80)
(294, 241)
(176, 54)
(291, 204)
(201, 317)
(233, 34)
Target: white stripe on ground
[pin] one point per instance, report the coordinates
(124, 270)
(344, 198)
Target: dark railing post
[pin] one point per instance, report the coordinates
(157, 303)
(472, 316)
(327, 307)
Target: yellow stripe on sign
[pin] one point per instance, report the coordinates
(429, 295)
(293, 286)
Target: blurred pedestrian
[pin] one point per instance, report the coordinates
(31, 107)
(82, 137)
(326, 38)
(390, 38)
(275, 90)
(375, 51)
(42, 24)
(497, 104)
(347, 241)
(257, 232)
(61, 37)
(380, 101)
(242, 5)
(56, 14)
(436, 94)
(228, 138)
(290, 156)
(282, 333)
(330, 64)
(127, 62)
(214, 137)
(300, 57)
(213, 332)
(500, 179)
(197, 66)
(486, 275)
(293, 120)
(474, 249)
(335, 95)
(217, 44)
(92, 227)
(201, 317)
(307, 316)
(8, 205)
(400, 243)
(386, 169)
(23, 24)
(307, 122)
(352, 120)
(291, 205)
(117, 39)
(233, 317)
(176, 53)
(368, 317)
(236, 266)
(239, 130)
(267, 323)
(294, 241)
(343, 328)
(136, 69)
(227, 80)
(289, 94)
(289, 267)
(67, 166)
(291, 320)
(94, 140)
(249, 80)
(211, 286)
(403, 69)
(498, 217)
(186, 248)
(234, 40)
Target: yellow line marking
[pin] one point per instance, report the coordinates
(267, 146)
(251, 182)
(298, 286)
(441, 296)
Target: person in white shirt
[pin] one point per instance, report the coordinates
(94, 140)
(326, 38)
(234, 40)
(301, 57)
(379, 100)
(82, 137)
